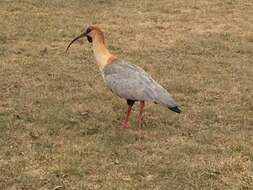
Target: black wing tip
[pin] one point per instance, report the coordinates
(175, 109)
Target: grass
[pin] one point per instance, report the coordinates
(59, 125)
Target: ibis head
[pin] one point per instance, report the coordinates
(91, 33)
(95, 36)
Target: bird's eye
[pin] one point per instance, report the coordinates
(88, 30)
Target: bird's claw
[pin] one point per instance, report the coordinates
(125, 125)
(140, 120)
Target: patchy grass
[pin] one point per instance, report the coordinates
(59, 125)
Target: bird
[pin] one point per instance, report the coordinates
(124, 79)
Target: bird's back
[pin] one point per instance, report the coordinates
(133, 83)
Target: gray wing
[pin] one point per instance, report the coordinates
(133, 83)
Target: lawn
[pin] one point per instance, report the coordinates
(60, 125)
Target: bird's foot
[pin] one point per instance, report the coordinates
(125, 125)
(140, 119)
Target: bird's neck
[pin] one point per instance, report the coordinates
(101, 53)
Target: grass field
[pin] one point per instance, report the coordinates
(59, 124)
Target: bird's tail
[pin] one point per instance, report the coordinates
(175, 109)
(164, 98)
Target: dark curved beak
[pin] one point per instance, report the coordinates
(78, 37)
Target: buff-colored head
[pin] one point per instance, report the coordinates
(93, 34)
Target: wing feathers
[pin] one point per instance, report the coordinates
(132, 82)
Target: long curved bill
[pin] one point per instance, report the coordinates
(78, 37)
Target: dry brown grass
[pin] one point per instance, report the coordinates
(59, 124)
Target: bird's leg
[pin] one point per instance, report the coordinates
(140, 116)
(125, 122)
(130, 105)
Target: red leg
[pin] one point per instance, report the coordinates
(140, 116)
(125, 122)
